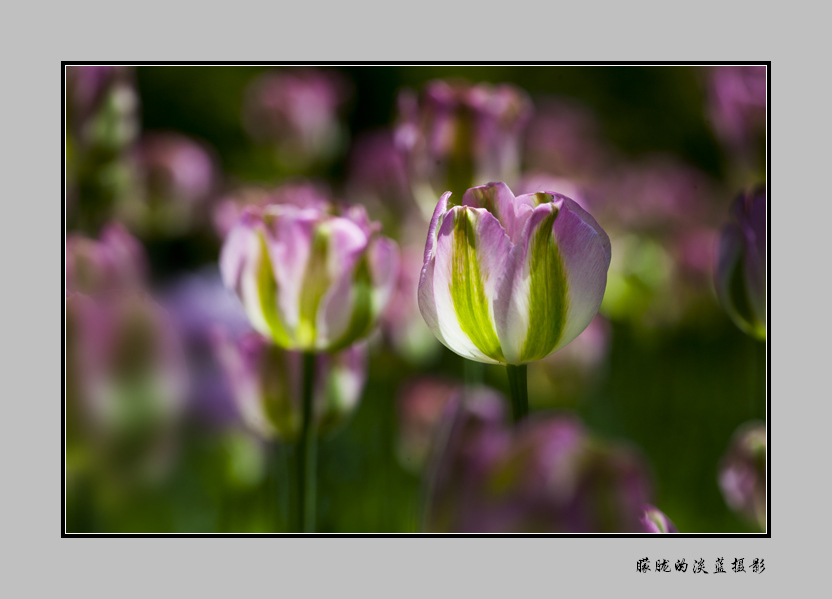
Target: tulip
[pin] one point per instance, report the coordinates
(297, 111)
(266, 385)
(741, 264)
(509, 280)
(742, 473)
(310, 280)
(116, 261)
(654, 521)
(178, 176)
(454, 135)
(547, 475)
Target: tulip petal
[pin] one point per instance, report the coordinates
(333, 284)
(535, 299)
(433, 229)
(497, 199)
(471, 255)
(731, 282)
(558, 277)
(247, 267)
(585, 249)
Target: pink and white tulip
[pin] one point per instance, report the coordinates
(509, 280)
(308, 279)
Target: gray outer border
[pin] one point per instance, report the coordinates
(402, 566)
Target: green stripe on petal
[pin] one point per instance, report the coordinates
(267, 294)
(548, 293)
(468, 290)
(316, 281)
(361, 320)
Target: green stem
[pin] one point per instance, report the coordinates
(519, 391)
(306, 451)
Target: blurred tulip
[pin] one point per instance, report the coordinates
(420, 407)
(115, 262)
(266, 383)
(455, 135)
(300, 193)
(178, 175)
(547, 475)
(102, 120)
(511, 279)
(741, 266)
(466, 442)
(296, 110)
(310, 280)
(737, 104)
(742, 473)
(654, 521)
(126, 376)
(102, 105)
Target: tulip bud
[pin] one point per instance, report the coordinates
(115, 262)
(741, 264)
(510, 279)
(266, 384)
(178, 175)
(455, 135)
(654, 521)
(742, 473)
(310, 280)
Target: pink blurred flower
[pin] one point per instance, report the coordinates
(126, 382)
(116, 261)
(654, 521)
(266, 385)
(737, 103)
(297, 110)
(548, 475)
(309, 279)
(455, 135)
(742, 473)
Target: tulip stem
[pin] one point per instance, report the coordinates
(519, 391)
(306, 470)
